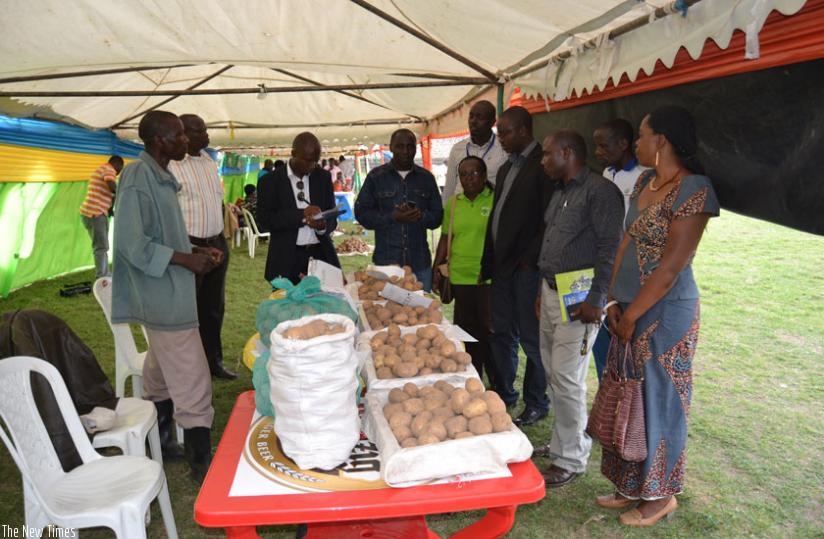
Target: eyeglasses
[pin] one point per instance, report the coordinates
(470, 174)
(301, 194)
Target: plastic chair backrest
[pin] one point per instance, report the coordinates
(250, 220)
(28, 440)
(124, 345)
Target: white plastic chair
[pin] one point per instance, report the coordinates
(253, 233)
(103, 491)
(127, 360)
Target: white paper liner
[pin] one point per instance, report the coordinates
(488, 453)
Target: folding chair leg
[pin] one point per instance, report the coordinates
(166, 510)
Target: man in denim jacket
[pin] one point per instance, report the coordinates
(400, 201)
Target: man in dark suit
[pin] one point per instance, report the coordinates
(288, 199)
(510, 260)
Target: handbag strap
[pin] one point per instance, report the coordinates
(625, 357)
(449, 230)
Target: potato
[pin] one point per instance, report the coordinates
(391, 409)
(458, 400)
(449, 365)
(474, 384)
(430, 402)
(464, 434)
(410, 389)
(402, 432)
(398, 395)
(501, 422)
(408, 355)
(394, 342)
(409, 442)
(391, 360)
(435, 316)
(442, 413)
(444, 387)
(427, 438)
(425, 370)
(481, 424)
(427, 332)
(433, 361)
(455, 425)
(413, 406)
(494, 403)
(423, 344)
(393, 330)
(294, 332)
(462, 358)
(410, 338)
(400, 318)
(436, 304)
(419, 362)
(439, 339)
(438, 429)
(420, 423)
(474, 408)
(384, 372)
(400, 419)
(447, 349)
(383, 314)
(405, 369)
(407, 348)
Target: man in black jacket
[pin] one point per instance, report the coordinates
(288, 200)
(510, 259)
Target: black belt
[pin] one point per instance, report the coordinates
(307, 246)
(203, 242)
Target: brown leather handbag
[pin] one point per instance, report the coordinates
(617, 416)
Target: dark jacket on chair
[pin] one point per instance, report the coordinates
(278, 212)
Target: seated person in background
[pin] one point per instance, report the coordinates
(337, 185)
(250, 202)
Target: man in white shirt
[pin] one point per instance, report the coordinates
(482, 142)
(201, 201)
(613, 150)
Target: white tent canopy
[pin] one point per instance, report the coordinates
(352, 71)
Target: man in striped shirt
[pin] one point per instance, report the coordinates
(201, 201)
(95, 211)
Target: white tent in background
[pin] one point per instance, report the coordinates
(260, 71)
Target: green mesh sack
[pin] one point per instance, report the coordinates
(260, 380)
(302, 299)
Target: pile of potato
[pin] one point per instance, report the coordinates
(432, 414)
(426, 351)
(380, 316)
(313, 329)
(370, 286)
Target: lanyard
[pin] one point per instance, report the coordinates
(488, 147)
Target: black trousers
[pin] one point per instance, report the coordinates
(472, 313)
(211, 300)
(300, 260)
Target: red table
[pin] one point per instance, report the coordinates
(386, 512)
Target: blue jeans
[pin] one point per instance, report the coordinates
(425, 278)
(599, 350)
(513, 322)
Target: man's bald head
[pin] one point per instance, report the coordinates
(305, 153)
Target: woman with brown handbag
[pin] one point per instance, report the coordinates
(657, 309)
(458, 259)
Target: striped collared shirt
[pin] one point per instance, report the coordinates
(98, 196)
(200, 195)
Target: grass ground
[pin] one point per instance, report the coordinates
(756, 425)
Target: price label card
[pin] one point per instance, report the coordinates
(404, 297)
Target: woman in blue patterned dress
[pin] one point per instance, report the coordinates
(657, 309)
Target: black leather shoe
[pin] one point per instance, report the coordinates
(555, 477)
(221, 372)
(529, 416)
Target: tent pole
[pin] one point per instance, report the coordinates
(500, 100)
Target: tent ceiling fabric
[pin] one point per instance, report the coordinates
(238, 45)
